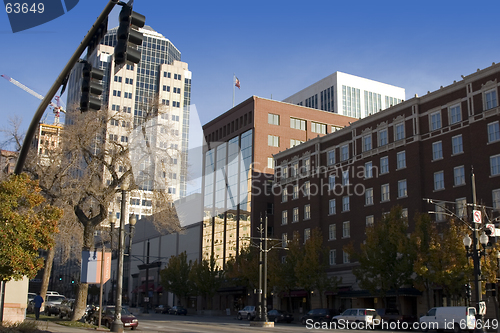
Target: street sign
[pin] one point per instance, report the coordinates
(482, 308)
(491, 227)
(477, 216)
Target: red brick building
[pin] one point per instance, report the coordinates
(422, 148)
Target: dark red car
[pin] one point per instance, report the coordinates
(128, 319)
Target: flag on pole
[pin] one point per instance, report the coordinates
(237, 82)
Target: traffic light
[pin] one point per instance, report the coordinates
(491, 236)
(91, 88)
(72, 280)
(96, 39)
(468, 291)
(129, 38)
(60, 277)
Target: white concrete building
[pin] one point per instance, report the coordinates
(348, 95)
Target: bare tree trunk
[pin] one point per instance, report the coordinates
(82, 289)
(47, 270)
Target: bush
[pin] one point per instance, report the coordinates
(27, 326)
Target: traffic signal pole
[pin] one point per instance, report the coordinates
(59, 81)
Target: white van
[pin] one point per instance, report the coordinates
(455, 318)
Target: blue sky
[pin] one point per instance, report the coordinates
(276, 48)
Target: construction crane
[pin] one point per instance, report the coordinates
(57, 108)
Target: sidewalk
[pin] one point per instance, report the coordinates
(48, 326)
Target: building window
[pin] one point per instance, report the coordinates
(495, 165)
(295, 194)
(437, 150)
(455, 114)
(332, 232)
(331, 182)
(284, 172)
(368, 170)
(273, 140)
(439, 209)
(345, 204)
(367, 143)
(496, 199)
(384, 193)
(331, 156)
(345, 178)
(295, 215)
(298, 124)
(493, 132)
(293, 169)
(490, 98)
(344, 153)
(284, 217)
(318, 128)
(435, 120)
(369, 196)
(307, 234)
(307, 212)
(457, 145)
(384, 165)
(306, 164)
(306, 189)
(284, 195)
(401, 160)
(461, 207)
(294, 142)
(284, 240)
(332, 207)
(273, 119)
(399, 131)
(333, 257)
(382, 137)
(438, 180)
(402, 189)
(346, 229)
(370, 220)
(459, 175)
(346, 258)
(270, 163)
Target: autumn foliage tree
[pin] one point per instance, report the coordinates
(386, 258)
(27, 225)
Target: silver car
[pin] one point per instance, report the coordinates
(247, 312)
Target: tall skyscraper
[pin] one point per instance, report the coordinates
(159, 82)
(348, 95)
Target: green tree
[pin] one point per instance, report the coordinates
(310, 267)
(205, 279)
(386, 258)
(27, 225)
(175, 277)
(441, 260)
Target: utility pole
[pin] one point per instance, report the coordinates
(117, 325)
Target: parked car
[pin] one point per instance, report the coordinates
(318, 315)
(279, 316)
(393, 316)
(177, 310)
(456, 318)
(31, 304)
(66, 307)
(247, 312)
(51, 293)
(108, 316)
(51, 304)
(162, 308)
(366, 316)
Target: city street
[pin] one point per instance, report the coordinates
(209, 324)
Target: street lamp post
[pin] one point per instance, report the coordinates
(117, 325)
(476, 252)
